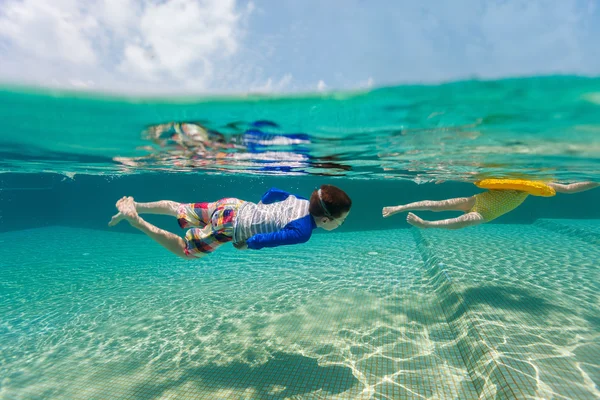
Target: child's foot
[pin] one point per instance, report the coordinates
(389, 211)
(415, 221)
(127, 210)
(120, 216)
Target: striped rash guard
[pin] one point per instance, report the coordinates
(280, 218)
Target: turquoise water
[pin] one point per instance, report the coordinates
(373, 310)
(538, 127)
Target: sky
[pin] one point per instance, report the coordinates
(283, 46)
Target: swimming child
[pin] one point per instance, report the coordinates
(478, 209)
(280, 218)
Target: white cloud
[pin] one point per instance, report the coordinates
(168, 43)
(137, 60)
(367, 84)
(119, 16)
(180, 34)
(53, 31)
(272, 85)
(321, 86)
(81, 84)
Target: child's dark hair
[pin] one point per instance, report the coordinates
(332, 202)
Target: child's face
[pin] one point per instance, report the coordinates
(331, 224)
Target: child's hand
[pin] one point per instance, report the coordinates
(241, 245)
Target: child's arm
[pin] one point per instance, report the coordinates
(573, 187)
(295, 232)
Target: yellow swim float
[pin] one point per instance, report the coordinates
(535, 188)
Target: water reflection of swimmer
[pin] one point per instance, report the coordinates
(178, 143)
(256, 139)
(261, 145)
(478, 209)
(191, 135)
(190, 144)
(253, 139)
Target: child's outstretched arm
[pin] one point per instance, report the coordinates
(295, 232)
(573, 187)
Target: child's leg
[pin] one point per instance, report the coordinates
(168, 240)
(460, 204)
(163, 207)
(573, 187)
(469, 219)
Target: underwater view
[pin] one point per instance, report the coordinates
(454, 254)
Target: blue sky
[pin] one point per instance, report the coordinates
(215, 46)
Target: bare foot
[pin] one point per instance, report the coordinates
(127, 210)
(128, 204)
(118, 217)
(389, 211)
(415, 221)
